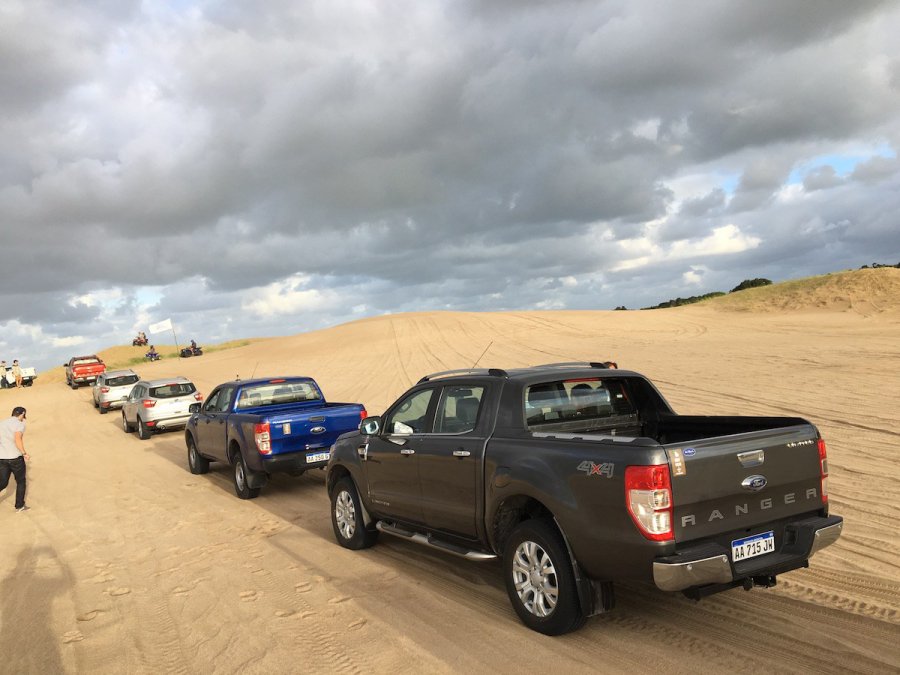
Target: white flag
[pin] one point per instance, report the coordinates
(161, 326)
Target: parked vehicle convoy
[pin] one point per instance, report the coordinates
(112, 388)
(83, 370)
(265, 426)
(578, 476)
(159, 405)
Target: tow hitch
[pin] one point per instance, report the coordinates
(764, 580)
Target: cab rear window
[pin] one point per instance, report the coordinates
(173, 390)
(277, 393)
(585, 402)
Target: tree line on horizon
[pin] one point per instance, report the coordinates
(678, 302)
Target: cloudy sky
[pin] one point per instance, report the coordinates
(268, 168)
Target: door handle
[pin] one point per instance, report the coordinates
(461, 453)
(407, 451)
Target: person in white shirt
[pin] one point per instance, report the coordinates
(13, 455)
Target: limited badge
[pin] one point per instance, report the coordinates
(676, 459)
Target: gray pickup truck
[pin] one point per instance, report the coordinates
(580, 475)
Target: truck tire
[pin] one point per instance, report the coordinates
(196, 463)
(539, 579)
(241, 488)
(73, 384)
(144, 431)
(347, 517)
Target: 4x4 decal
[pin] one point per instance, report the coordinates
(591, 469)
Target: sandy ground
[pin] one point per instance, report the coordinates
(128, 563)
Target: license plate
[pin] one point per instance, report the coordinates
(317, 457)
(750, 547)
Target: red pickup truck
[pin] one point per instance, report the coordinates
(83, 370)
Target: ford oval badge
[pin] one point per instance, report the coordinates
(319, 430)
(754, 483)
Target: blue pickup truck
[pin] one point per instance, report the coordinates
(265, 426)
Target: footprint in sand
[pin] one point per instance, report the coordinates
(338, 600)
(180, 591)
(72, 636)
(89, 616)
(307, 614)
(249, 596)
(356, 625)
(303, 587)
(285, 613)
(122, 590)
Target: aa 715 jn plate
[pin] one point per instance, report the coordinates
(750, 547)
(317, 457)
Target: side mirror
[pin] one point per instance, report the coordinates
(194, 408)
(370, 426)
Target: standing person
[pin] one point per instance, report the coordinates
(17, 372)
(4, 384)
(13, 455)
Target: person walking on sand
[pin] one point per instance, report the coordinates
(13, 455)
(17, 372)
(4, 383)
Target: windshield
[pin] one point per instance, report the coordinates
(122, 380)
(588, 400)
(277, 393)
(173, 390)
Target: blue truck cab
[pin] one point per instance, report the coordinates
(265, 426)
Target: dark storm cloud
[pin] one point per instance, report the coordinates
(260, 169)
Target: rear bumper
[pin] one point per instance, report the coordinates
(295, 461)
(710, 564)
(169, 422)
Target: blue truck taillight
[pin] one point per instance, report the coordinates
(262, 438)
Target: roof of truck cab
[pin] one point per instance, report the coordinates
(272, 380)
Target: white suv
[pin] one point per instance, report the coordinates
(159, 405)
(112, 388)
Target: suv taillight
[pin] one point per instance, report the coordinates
(823, 468)
(104, 390)
(261, 435)
(148, 402)
(648, 496)
(198, 396)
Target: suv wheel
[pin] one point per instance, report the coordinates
(197, 463)
(240, 473)
(539, 579)
(125, 426)
(144, 431)
(347, 519)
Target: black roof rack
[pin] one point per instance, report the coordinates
(493, 372)
(579, 364)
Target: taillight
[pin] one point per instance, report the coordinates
(148, 402)
(363, 414)
(263, 442)
(823, 468)
(198, 396)
(104, 390)
(648, 496)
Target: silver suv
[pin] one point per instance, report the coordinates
(158, 405)
(112, 388)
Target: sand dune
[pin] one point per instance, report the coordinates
(128, 563)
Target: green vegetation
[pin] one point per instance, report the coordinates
(678, 302)
(750, 283)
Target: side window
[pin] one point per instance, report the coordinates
(410, 415)
(458, 409)
(212, 402)
(224, 399)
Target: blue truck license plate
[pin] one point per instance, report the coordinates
(750, 547)
(317, 457)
